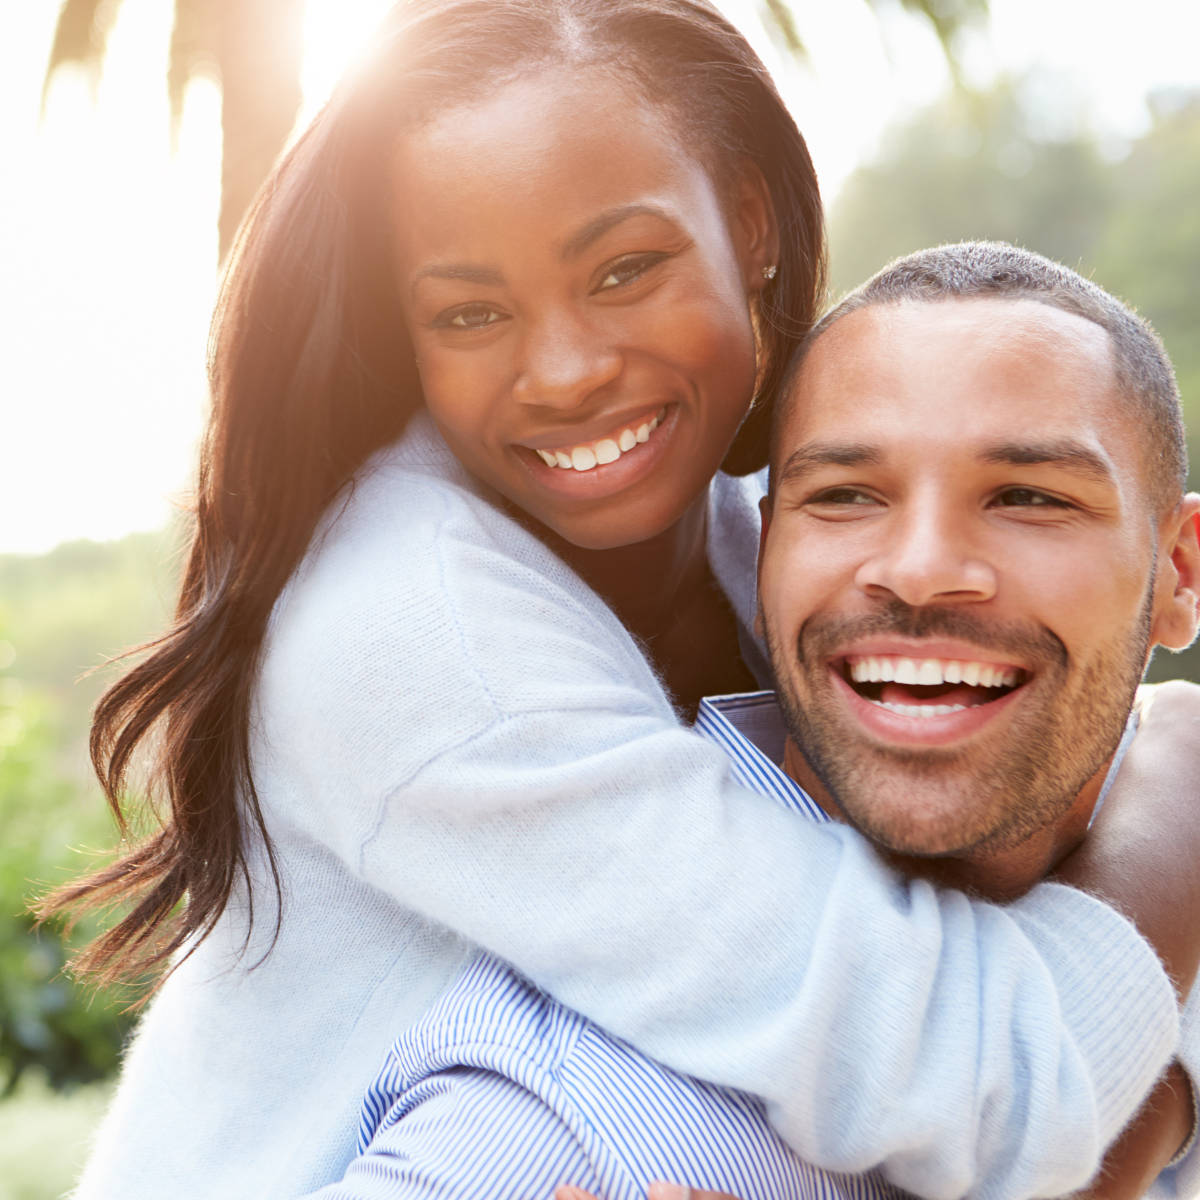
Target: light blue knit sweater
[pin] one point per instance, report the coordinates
(455, 742)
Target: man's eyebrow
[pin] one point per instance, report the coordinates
(1062, 452)
(596, 228)
(827, 454)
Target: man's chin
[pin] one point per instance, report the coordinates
(907, 816)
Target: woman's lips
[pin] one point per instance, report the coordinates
(601, 476)
(584, 455)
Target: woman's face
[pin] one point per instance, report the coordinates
(578, 299)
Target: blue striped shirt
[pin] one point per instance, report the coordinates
(501, 1092)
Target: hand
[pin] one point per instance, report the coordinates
(659, 1191)
(1150, 1141)
(1140, 855)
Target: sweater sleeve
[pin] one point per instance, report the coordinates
(449, 710)
(1181, 1180)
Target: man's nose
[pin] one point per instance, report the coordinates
(929, 556)
(564, 360)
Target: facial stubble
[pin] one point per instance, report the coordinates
(929, 801)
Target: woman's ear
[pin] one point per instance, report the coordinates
(754, 229)
(1177, 591)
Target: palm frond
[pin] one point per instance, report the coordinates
(781, 22)
(949, 18)
(80, 37)
(195, 50)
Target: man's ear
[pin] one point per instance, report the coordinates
(755, 230)
(764, 514)
(1177, 591)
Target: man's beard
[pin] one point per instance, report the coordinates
(1057, 740)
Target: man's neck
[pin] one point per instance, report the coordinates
(997, 871)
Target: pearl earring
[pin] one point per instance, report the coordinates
(769, 272)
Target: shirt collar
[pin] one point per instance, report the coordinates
(749, 727)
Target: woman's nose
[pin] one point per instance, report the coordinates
(929, 558)
(564, 361)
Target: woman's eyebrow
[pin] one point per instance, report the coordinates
(575, 245)
(596, 228)
(464, 272)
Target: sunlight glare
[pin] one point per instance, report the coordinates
(110, 254)
(336, 34)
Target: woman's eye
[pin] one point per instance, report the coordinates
(470, 316)
(626, 270)
(1021, 497)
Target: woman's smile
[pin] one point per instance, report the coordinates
(583, 454)
(590, 471)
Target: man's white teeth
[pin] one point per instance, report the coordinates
(922, 710)
(930, 672)
(605, 450)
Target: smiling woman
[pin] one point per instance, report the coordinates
(413, 702)
(604, 302)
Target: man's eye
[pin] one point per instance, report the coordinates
(626, 270)
(1021, 497)
(470, 316)
(842, 497)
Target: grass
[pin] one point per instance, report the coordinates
(44, 1137)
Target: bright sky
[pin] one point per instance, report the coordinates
(108, 241)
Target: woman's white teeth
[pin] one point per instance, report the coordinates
(605, 450)
(929, 672)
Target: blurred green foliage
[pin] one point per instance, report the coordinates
(44, 1136)
(1019, 163)
(68, 612)
(44, 1021)
(57, 613)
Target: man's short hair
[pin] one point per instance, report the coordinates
(1144, 375)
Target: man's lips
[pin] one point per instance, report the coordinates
(925, 693)
(903, 718)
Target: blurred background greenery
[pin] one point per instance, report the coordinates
(1018, 160)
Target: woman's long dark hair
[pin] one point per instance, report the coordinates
(311, 371)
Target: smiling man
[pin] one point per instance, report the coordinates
(976, 533)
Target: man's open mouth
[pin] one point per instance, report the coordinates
(928, 687)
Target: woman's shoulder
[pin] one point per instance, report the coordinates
(413, 524)
(415, 579)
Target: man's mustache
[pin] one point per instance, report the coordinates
(1023, 640)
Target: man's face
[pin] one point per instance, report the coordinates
(958, 577)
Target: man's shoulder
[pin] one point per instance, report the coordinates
(490, 1017)
(634, 1119)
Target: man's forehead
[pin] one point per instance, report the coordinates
(954, 362)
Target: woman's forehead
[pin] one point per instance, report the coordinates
(550, 153)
